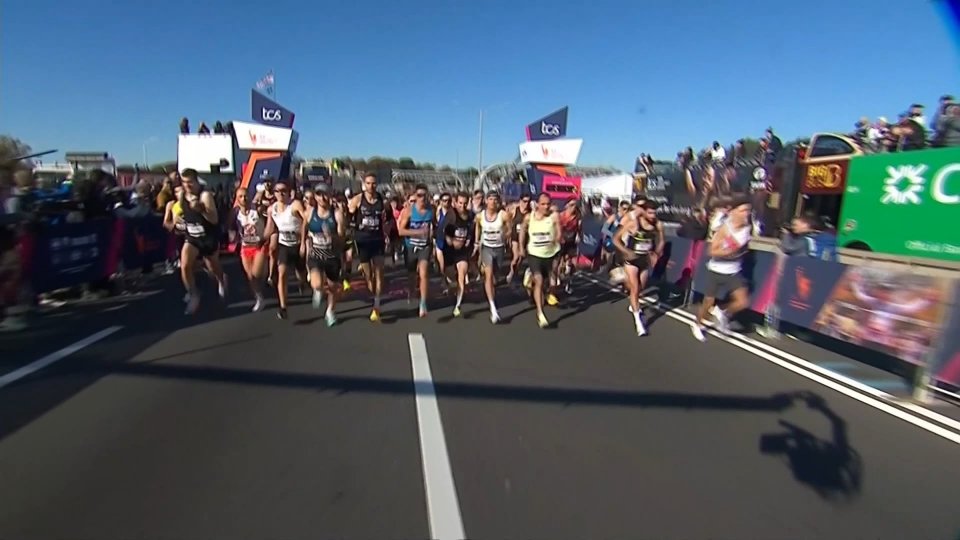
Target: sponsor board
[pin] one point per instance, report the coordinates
(555, 152)
(261, 137)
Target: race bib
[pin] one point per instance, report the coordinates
(250, 235)
(643, 246)
(321, 240)
(460, 233)
(541, 239)
(195, 229)
(289, 237)
(370, 222)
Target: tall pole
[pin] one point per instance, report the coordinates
(146, 163)
(480, 152)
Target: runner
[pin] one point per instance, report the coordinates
(253, 247)
(199, 214)
(458, 245)
(520, 212)
(324, 247)
(414, 226)
(727, 248)
(349, 245)
(263, 200)
(285, 219)
(173, 222)
(493, 228)
(441, 213)
(371, 213)
(571, 224)
(639, 240)
(540, 239)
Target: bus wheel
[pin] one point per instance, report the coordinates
(859, 246)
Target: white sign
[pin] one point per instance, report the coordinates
(261, 137)
(555, 152)
(199, 152)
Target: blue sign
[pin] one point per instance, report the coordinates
(551, 126)
(268, 112)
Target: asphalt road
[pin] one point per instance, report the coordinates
(235, 425)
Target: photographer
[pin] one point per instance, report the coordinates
(800, 239)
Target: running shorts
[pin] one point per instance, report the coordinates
(330, 267)
(726, 283)
(206, 246)
(413, 256)
(250, 252)
(541, 265)
(367, 250)
(493, 257)
(453, 256)
(288, 256)
(642, 263)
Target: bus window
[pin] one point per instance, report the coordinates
(830, 145)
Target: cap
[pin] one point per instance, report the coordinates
(493, 193)
(321, 188)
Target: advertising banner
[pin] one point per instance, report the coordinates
(900, 203)
(561, 188)
(551, 126)
(69, 255)
(262, 165)
(945, 363)
(201, 152)
(260, 137)
(264, 110)
(826, 178)
(555, 152)
(897, 313)
(679, 191)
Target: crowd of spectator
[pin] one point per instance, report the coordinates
(912, 130)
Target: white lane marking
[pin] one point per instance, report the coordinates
(55, 356)
(443, 507)
(849, 387)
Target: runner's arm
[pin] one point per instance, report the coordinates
(169, 221)
(404, 222)
(271, 227)
(718, 245)
(341, 223)
(506, 225)
(618, 238)
(661, 240)
(209, 208)
(522, 240)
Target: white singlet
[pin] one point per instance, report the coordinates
(288, 225)
(491, 232)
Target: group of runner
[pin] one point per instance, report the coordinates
(317, 236)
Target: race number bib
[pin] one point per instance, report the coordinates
(321, 240)
(289, 237)
(250, 235)
(370, 222)
(460, 233)
(541, 239)
(195, 229)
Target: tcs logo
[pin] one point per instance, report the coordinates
(270, 115)
(552, 130)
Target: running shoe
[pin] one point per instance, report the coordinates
(542, 320)
(375, 315)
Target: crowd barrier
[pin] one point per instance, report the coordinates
(59, 256)
(912, 317)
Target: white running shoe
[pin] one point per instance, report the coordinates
(258, 304)
(698, 333)
(723, 323)
(317, 299)
(495, 317)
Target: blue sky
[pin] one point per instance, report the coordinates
(409, 78)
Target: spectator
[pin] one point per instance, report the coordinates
(166, 191)
(945, 102)
(799, 238)
(695, 227)
(141, 207)
(910, 133)
(916, 114)
(948, 132)
(718, 153)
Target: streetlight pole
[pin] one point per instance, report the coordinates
(146, 162)
(480, 150)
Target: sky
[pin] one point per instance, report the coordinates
(409, 79)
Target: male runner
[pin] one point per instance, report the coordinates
(540, 240)
(253, 244)
(493, 229)
(730, 243)
(263, 200)
(325, 231)
(520, 212)
(416, 228)
(371, 213)
(571, 224)
(285, 219)
(446, 201)
(458, 245)
(200, 220)
(639, 239)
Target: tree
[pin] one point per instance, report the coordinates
(406, 163)
(471, 171)
(12, 148)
